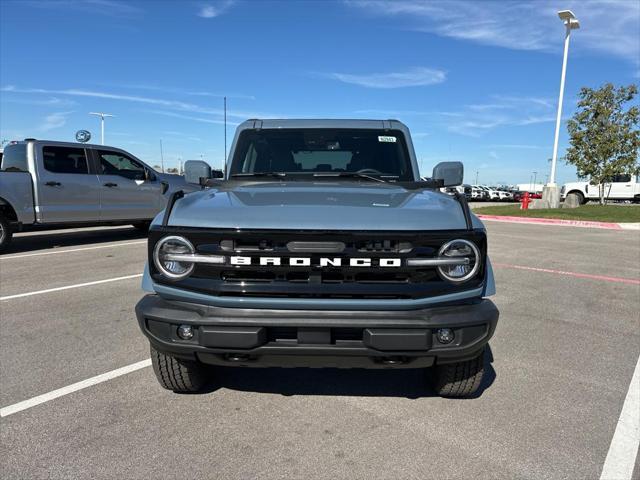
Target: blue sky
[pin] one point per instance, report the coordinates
(476, 81)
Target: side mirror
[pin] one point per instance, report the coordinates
(149, 176)
(449, 174)
(194, 170)
(217, 174)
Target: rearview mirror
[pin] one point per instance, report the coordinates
(450, 174)
(217, 173)
(194, 170)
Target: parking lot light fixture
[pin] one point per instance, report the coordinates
(551, 191)
(102, 117)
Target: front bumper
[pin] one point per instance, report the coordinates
(312, 338)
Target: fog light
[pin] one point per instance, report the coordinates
(445, 335)
(185, 332)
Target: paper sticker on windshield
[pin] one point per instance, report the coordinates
(387, 139)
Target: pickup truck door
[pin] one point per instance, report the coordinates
(622, 186)
(128, 188)
(67, 188)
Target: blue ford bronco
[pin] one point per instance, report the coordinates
(319, 247)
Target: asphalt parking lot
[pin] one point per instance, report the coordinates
(561, 364)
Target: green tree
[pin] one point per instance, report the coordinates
(604, 135)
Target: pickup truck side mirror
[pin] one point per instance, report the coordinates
(449, 174)
(194, 170)
(217, 173)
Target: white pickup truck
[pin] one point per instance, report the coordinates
(622, 187)
(46, 184)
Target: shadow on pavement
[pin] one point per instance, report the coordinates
(404, 383)
(43, 240)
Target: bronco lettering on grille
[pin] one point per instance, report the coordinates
(322, 262)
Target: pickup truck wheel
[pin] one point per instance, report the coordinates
(142, 226)
(5, 234)
(177, 375)
(459, 379)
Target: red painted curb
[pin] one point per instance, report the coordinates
(552, 221)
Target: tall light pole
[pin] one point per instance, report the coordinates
(535, 177)
(161, 157)
(102, 117)
(551, 193)
(477, 172)
(224, 161)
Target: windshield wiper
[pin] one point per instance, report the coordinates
(350, 175)
(260, 174)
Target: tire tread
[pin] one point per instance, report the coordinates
(460, 379)
(177, 375)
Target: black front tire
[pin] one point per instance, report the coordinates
(6, 233)
(178, 375)
(460, 379)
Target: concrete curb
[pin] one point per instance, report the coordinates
(564, 223)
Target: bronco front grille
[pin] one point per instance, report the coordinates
(313, 280)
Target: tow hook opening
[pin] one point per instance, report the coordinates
(236, 357)
(393, 360)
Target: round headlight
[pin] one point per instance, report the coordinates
(460, 272)
(173, 245)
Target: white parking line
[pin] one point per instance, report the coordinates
(626, 439)
(67, 287)
(60, 392)
(56, 251)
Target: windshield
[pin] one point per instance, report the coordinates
(304, 153)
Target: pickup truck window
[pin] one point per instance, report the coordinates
(14, 158)
(115, 163)
(65, 160)
(620, 179)
(304, 152)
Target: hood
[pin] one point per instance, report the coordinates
(318, 206)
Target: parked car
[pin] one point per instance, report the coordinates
(621, 187)
(504, 196)
(52, 184)
(309, 253)
(518, 195)
(465, 190)
(478, 194)
(493, 194)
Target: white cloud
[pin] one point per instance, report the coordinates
(607, 26)
(501, 110)
(111, 8)
(211, 10)
(475, 119)
(518, 146)
(418, 76)
(192, 118)
(54, 120)
(181, 91)
(161, 102)
(52, 101)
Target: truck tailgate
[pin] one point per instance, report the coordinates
(16, 190)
